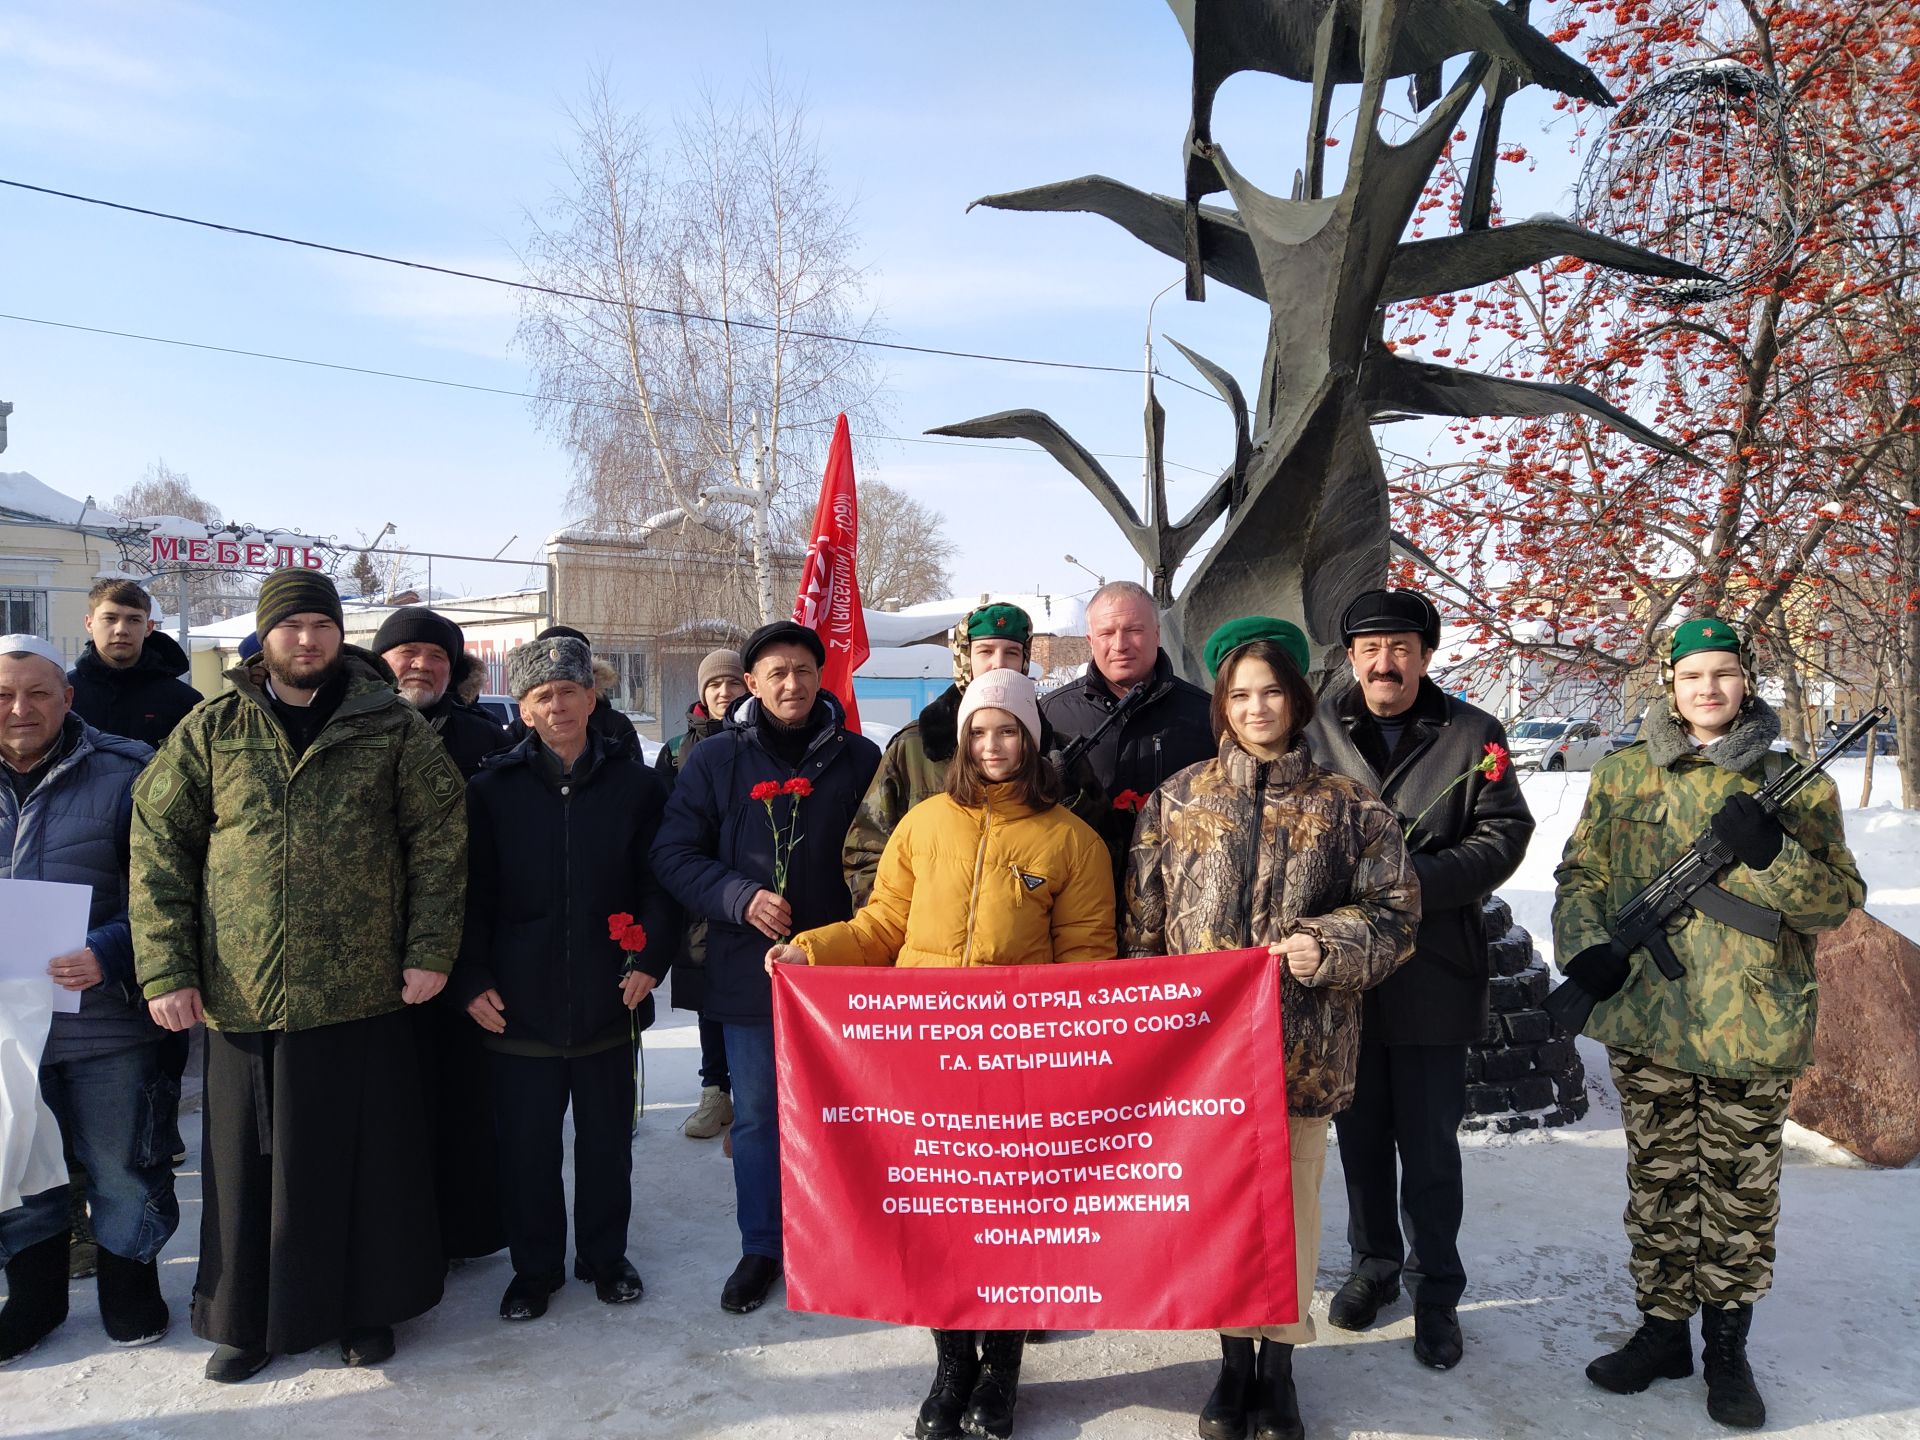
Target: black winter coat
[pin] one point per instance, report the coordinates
(1470, 842)
(716, 845)
(550, 858)
(142, 702)
(1172, 729)
(470, 735)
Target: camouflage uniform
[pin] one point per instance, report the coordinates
(1704, 1064)
(292, 892)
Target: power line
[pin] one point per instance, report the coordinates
(571, 294)
(524, 394)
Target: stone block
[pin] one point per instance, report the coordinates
(1533, 1093)
(1555, 1056)
(1487, 1099)
(1528, 1027)
(1863, 1090)
(1510, 953)
(1505, 1065)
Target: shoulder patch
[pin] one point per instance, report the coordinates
(437, 771)
(159, 789)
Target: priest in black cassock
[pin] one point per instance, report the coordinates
(299, 880)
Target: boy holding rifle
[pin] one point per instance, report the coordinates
(1705, 1061)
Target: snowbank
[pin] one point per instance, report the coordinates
(1833, 1346)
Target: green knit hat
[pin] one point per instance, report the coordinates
(1248, 628)
(1707, 633)
(295, 590)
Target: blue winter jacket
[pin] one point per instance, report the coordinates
(73, 829)
(715, 849)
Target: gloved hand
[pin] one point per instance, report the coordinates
(1598, 971)
(1745, 828)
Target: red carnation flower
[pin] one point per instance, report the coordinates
(1129, 800)
(1497, 761)
(617, 925)
(799, 785)
(765, 790)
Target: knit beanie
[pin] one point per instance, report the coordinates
(719, 665)
(1006, 690)
(541, 662)
(417, 625)
(295, 590)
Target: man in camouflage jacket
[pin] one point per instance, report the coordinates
(1704, 1064)
(298, 879)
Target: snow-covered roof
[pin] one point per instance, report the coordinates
(921, 625)
(22, 496)
(1052, 614)
(907, 662)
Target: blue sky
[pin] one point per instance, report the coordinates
(426, 131)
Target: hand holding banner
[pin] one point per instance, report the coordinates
(1056, 1146)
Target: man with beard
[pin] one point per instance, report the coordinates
(299, 879)
(428, 656)
(428, 653)
(1400, 735)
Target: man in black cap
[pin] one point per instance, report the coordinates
(716, 854)
(428, 656)
(1398, 733)
(299, 869)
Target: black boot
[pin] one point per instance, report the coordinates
(956, 1368)
(990, 1411)
(1276, 1407)
(1732, 1397)
(36, 1296)
(131, 1310)
(1658, 1350)
(231, 1364)
(1224, 1416)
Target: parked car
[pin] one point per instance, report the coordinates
(1557, 744)
(1627, 733)
(1886, 738)
(499, 707)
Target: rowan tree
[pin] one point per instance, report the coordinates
(1797, 394)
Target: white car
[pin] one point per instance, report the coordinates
(1557, 744)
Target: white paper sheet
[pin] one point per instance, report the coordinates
(40, 919)
(30, 1157)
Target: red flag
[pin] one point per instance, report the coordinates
(829, 599)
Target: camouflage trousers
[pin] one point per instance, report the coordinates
(1703, 1184)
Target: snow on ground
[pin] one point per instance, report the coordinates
(1833, 1346)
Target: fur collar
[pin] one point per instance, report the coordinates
(940, 726)
(1739, 750)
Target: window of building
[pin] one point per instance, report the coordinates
(23, 612)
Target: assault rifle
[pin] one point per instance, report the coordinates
(1064, 760)
(1642, 921)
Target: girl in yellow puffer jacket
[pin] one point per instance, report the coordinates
(994, 872)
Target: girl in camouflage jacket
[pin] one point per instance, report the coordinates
(1260, 846)
(1704, 1064)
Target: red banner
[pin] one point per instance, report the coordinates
(829, 598)
(1059, 1147)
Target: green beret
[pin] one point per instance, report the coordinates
(1248, 628)
(1704, 634)
(1000, 622)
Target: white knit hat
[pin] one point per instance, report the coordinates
(1006, 690)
